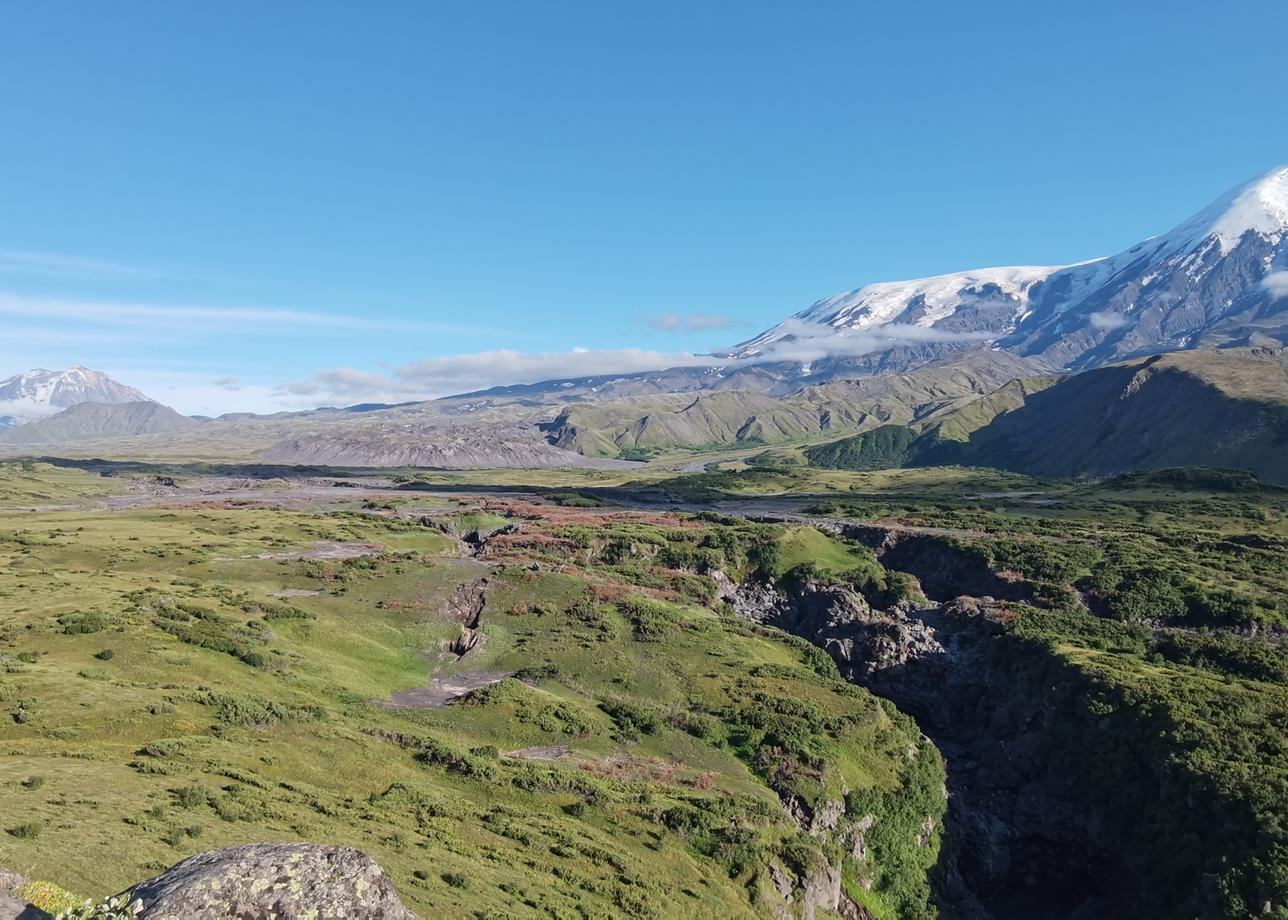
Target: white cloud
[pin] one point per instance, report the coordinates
(1108, 320)
(691, 322)
(1277, 284)
(57, 265)
(806, 341)
(490, 368)
(26, 409)
(194, 318)
(463, 373)
(228, 383)
(454, 374)
(345, 384)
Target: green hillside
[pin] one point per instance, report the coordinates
(1203, 408)
(180, 679)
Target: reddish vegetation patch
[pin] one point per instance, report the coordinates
(1006, 614)
(528, 541)
(630, 767)
(702, 780)
(608, 592)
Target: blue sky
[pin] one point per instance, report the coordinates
(243, 205)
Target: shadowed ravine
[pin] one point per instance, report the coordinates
(1022, 839)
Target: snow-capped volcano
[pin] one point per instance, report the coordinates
(1219, 277)
(40, 393)
(993, 298)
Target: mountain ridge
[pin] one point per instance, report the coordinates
(1207, 281)
(39, 393)
(89, 421)
(1206, 407)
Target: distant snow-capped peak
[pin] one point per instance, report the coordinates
(1260, 206)
(38, 393)
(1197, 284)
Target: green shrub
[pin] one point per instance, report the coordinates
(83, 623)
(190, 797)
(881, 448)
(631, 719)
(651, 620)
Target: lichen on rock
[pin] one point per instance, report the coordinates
(272, 881)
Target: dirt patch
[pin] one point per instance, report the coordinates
(624, 767)
(442, 690)
(297, 592)
(543, 752)
(464, 606)
(328, 550)
(558, 515)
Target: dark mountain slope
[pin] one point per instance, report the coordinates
(1204, 408)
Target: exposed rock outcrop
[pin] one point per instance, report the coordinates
(864, 642)
(369, 443)
(818, 893)
(465, 606)
(12, 905)
(272, 881)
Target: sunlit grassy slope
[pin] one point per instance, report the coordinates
(175, 680)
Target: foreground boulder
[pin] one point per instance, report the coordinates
(272, 881)
(13, 907)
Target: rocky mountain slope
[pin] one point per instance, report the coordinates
(442, 447)
(1220, 277)
(90, 421)
(730, 418)
(40, 393)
